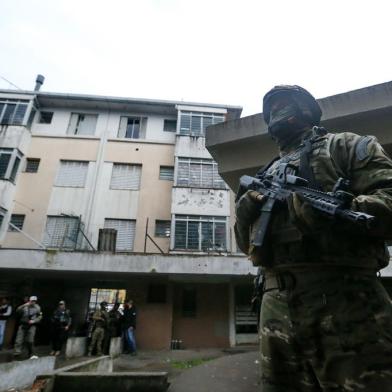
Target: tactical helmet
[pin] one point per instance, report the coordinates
(299, 94)
(103, 303)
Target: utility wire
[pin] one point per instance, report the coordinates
(12, 84)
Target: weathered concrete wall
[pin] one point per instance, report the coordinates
(137, 263)
(76, 347)
(210, 325)
(20, 374)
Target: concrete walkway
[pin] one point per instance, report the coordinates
(234, 373)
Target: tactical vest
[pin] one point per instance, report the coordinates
(333, 244)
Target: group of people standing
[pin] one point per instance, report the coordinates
(105, 325)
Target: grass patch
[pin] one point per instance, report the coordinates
(190, 364)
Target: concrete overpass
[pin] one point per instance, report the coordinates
(241, 146)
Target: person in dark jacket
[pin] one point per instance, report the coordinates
(61, 322)
(129, 326)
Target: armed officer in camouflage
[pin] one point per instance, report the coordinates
(326, 320)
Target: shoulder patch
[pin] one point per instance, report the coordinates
(361, 150)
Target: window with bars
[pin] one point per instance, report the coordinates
(199, 173)
(195, 123)
(82, 124)
(9, 163)
(162, 228)
(12, 112)
(166, 173)
(72, 174)
(32, 165)
(125, 233)
(125, 176)
(132, 127)
(61, 232)
(45, 117)
(16, 220)
(202, 233)
(170, 125)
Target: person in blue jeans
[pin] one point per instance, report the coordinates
(129, 326)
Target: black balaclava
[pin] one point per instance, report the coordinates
(294, 112)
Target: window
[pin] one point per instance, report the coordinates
(45, 117)
(125, 176)
(132, 127)
(61, 232)
(82, 124)
(111, 296)
(199, 173)
(9, 163)
(189, 302)
(195, 124)
(72, 173)
(16, 220)
(32, 165)
(202, 233)
(162, 228)
(12, 112)
(125, 233)
(156, 294)
(170, 125)
(166, 173)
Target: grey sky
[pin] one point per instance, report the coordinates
(197, 50)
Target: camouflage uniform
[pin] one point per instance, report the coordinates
(30, 316)
(326, 321)
(100, 320)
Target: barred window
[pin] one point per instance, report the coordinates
(125, 176)
(203, 233)
(166, 173)
(162, 228)
(125, 233)
(195, 124)
(61, 232)
(72, 174)
(16, 220)
(32, 165)
(199, 173)
(12, 112)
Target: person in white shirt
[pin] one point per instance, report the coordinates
(5, 313)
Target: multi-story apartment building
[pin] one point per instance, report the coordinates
(72, 165)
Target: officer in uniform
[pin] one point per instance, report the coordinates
(29, 315)
(100, 318)
(326, 320)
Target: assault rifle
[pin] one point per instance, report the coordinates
(277, 188)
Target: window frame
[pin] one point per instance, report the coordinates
(10, 228)
(131, 248)
(4, 103)
(74, 132)
(135, 167)
(217, 181)
(41, 117)
(163, 167)
(169, 129)
(31, 160)
(194, 119)
(199, 222)
(67, 185)
(142, 131)
(165, 230)
(13, 163)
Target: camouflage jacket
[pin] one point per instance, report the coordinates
(359, 159)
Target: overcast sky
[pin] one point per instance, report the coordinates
(228, 52)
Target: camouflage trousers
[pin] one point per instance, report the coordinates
(97, 340)
(25, 336)
(325, 331)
